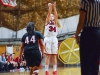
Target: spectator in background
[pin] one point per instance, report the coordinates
(3, 63)
(11, 62)
(17, 64)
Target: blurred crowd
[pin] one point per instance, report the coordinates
(10, 64)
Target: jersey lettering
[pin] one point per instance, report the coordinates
(31, 40)
(26, 40)
(52, 29)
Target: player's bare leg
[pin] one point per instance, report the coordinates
(47, 64)
(54, 62)
(32, 69)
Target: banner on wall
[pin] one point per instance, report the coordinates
(9, 49)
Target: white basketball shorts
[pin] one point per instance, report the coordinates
(51, 45)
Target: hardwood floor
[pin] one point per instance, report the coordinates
(60, 70)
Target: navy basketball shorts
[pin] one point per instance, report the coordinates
(32, 57)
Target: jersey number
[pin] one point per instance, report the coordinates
(52, 29)
(31, 40)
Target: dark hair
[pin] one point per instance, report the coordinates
(30, 27)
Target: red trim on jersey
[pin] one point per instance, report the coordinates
(50, 23)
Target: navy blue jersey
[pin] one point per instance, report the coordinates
(31, 41)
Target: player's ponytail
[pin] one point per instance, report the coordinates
(29, 30)
(30, 27)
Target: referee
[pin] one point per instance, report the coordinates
(89, 41)
(30, 42)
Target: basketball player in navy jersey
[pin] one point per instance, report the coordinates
(29, 46)
(50, 40)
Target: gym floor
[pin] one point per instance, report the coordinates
(60, 70)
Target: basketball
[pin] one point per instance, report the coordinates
(49, 4)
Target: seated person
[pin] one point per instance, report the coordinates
(3, 63)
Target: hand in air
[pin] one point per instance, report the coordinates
(49, 4)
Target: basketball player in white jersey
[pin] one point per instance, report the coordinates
(50, 40)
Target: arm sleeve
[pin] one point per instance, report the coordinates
(83, 5)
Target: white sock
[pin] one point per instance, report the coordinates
(54, 67)
(46, 67)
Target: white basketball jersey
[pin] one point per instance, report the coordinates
(50, 29)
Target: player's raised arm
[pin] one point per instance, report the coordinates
(49, 13)
(56, 15)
